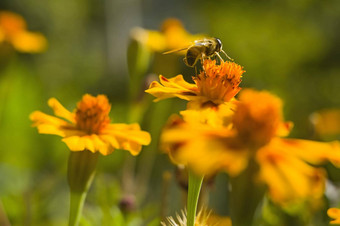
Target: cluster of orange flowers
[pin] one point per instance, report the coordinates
(217, 132)
(220, 133)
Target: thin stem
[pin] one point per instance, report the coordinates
(76, 206)
(195, 184)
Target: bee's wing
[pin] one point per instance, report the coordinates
(175, 50)
(203, 42)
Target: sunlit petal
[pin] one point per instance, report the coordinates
(312, 151)
(47, 124)
(30, 42)
(287, 177)
(60, 111)
(173, 87)
(335, 214)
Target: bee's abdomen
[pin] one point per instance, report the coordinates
(193, 54)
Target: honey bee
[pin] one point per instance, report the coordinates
(202, 49)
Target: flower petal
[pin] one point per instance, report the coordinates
(60, 111)
(48, 124)
(127, 137)
(284, 129)
(335, 214)
(288, 178)
(74, 143)
(92, 143)
(173, 87)
(312, 151)
(206, 157)
(201, 147)
(110, 140)
(217, 116)
(30, 42)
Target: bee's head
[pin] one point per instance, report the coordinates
(218, 44)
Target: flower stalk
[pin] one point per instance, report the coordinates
(77, 201)
(245, 196)
(195, 184)
(81, 171)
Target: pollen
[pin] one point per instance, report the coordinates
(219, 82)
(92, 113)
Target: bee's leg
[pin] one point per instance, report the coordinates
(202, 61)
(227, 55)
(221, 59)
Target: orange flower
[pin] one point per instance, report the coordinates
(258, 118)
(216, 83)
(13, 29)
(255, 135)
(335, 214)
(88, 127)
(219, 82)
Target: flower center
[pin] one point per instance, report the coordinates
(219, 82)
(92, 113)
(257, 117)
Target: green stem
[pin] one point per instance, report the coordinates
(195, 184)
(80, 174)
(245, 196)
(76, 206)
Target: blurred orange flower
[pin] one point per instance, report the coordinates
(335, 214)
(13, 29)
(216, 83)
(172, 36)
(257, 127)
(88, 127)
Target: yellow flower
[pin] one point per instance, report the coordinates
(153, 40)
(13, 29)
(327, 122)
(335, 214)
(176, 35)
(88, 127)
(172, 36)
(216, 83)
(203, 218)
(257, 127)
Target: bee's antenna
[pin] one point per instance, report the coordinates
(226, 55)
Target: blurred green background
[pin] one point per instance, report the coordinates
(291, 48)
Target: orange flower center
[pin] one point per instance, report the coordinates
(92, 113)
(257, 117)
(219, 82)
